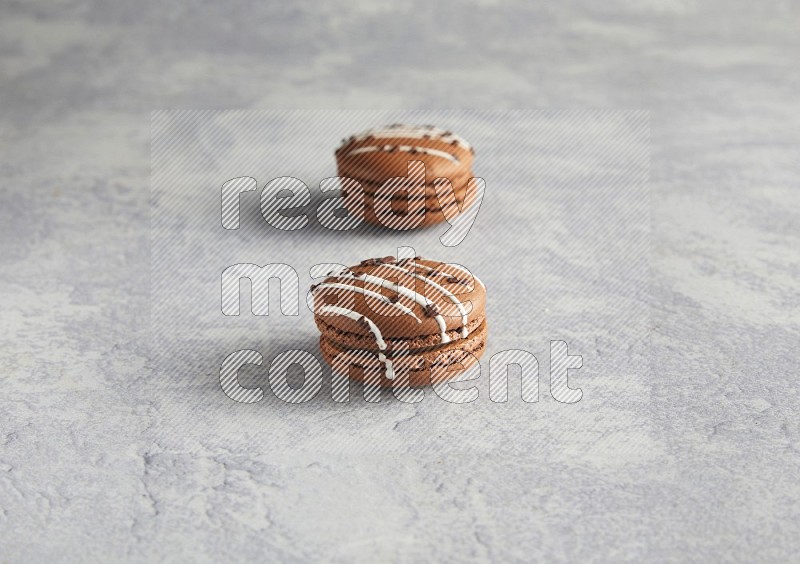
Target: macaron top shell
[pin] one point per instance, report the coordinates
(405, 299)
(380, 154)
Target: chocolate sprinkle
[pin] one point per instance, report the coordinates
(431, 310)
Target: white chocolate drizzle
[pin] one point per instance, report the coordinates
(408, 293)
(412, 132)
(355, 316)
(370, 293)
(412, 294)
(404, 149)
(447, 293)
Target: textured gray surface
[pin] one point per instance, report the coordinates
(100, 459)
(570, 263)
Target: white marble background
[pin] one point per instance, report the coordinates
(700, 462)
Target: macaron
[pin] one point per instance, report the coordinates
(375, 157)
(415, 321)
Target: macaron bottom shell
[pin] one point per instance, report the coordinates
(431, 213)
(449, 360)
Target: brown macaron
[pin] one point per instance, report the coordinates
(414, 318)
(376, 156)
(400, 213)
